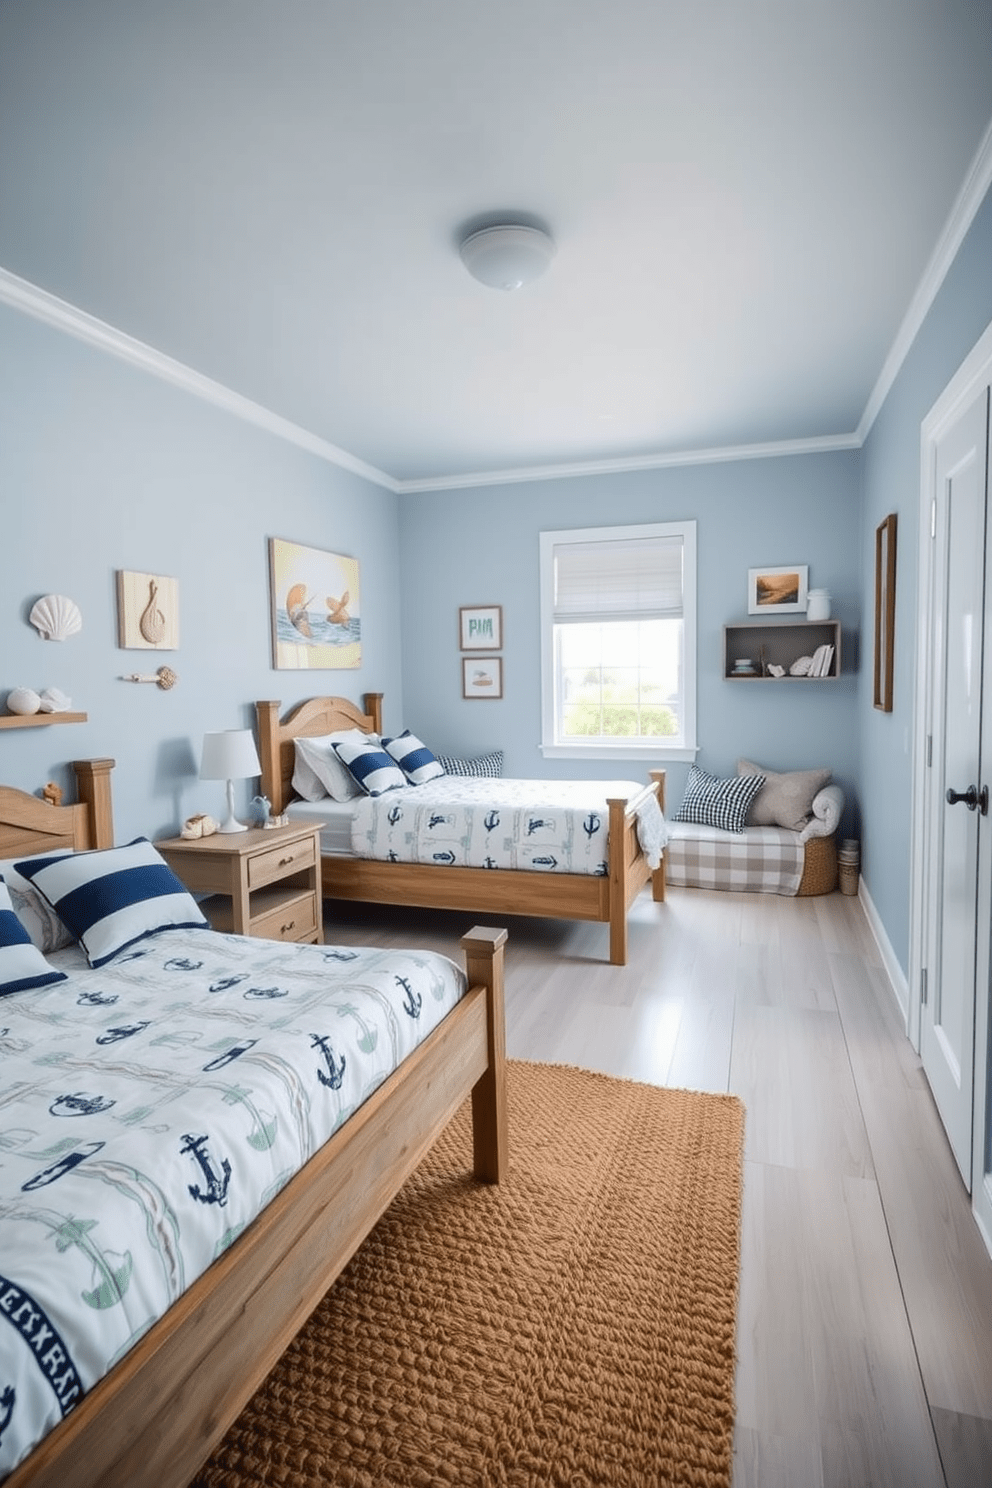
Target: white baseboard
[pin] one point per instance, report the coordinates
(890, 961)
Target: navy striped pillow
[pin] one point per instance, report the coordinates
(413, 757)
(112, 898)
(373, 769)
(21, 963)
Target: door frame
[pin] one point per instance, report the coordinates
(974, 374)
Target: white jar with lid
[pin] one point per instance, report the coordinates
(818, 604)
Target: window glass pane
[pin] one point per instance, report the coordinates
(619, 679)
(618, 640)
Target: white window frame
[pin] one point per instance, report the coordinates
(686, 747)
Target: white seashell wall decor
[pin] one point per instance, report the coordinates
(56, 617)
(23, 700)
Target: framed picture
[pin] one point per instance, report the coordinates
(480, 627)
(777, 591)
(885, 611)
(147, 612)
(482, 676)
(315, 607)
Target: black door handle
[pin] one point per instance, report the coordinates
(973, 798)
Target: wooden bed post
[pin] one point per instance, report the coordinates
(267, 714)
(93, 789)
(658, 877)
(373, 707)
(618, 880)
(483, 947)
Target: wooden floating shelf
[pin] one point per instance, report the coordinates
(38, 720)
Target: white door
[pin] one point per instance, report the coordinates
(958, 830)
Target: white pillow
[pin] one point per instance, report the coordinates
(41, 922)
(319, 772)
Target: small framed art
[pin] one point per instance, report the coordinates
(147, 611)
(480, 627)
(777, 591)
(482, 676)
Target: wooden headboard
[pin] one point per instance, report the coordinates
(29, 825)
(320, 715)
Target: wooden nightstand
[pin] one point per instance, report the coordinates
(265, 881)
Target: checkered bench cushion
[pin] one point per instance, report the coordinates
(759, 860)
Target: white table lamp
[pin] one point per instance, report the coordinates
(230, 755)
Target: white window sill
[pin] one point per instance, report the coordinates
(618, 751)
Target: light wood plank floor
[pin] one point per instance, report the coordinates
(865, 1320)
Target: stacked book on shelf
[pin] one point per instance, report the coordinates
(822, 661)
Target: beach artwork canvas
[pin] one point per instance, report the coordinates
(315, 606)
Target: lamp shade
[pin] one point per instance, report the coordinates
(507, 257)
(229, 755)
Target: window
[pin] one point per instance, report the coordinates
(618, 620)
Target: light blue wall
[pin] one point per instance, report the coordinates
(891, 483)
(104, 467)
(481, 547)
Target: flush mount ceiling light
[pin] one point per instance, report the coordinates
(507, 257)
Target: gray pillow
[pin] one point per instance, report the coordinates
(785, 800)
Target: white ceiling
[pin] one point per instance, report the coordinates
(745, 199)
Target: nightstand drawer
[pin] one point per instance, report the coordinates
(275, 915)
(292, 919)
(269, 867)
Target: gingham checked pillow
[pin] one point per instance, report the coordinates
(488, 765)
(711, 802)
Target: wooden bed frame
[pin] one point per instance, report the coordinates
(497, 891)
(155, 1418)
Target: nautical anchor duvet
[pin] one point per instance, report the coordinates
(548, 826)
(150, 1109)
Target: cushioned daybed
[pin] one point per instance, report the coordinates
(758, 832)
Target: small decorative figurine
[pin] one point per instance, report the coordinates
(199, 826)
(165, 677)
(260, 810)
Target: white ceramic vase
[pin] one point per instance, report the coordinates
(818, 604)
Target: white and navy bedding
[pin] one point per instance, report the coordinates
(393, 800)
(149, 1109)
(545, 826)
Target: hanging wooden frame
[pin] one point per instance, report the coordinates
(885, 611)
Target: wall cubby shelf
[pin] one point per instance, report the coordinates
(37, 720)
(779, 643)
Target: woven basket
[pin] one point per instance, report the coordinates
(820, 868)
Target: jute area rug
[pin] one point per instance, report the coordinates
(573, 1326)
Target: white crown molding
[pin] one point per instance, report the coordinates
(969, 199)
(28, 298)
(623, 464)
